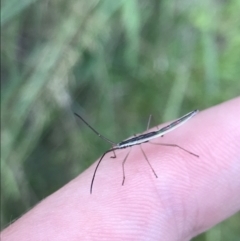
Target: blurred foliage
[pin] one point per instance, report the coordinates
(114, 62)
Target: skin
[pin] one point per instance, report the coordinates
(189, 196)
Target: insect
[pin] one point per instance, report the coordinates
(137, 140)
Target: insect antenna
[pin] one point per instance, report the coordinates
(96, 132)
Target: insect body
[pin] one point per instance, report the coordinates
(137, 140)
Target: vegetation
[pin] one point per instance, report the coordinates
(114, 62)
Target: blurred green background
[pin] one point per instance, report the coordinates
(113, 62)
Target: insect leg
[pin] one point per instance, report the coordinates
(114, 154)
(148, 125)
(174, 145)
(149, 120)
(95, 171)
(148, 162)
(123, 166)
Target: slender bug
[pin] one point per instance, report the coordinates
(137, 140)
